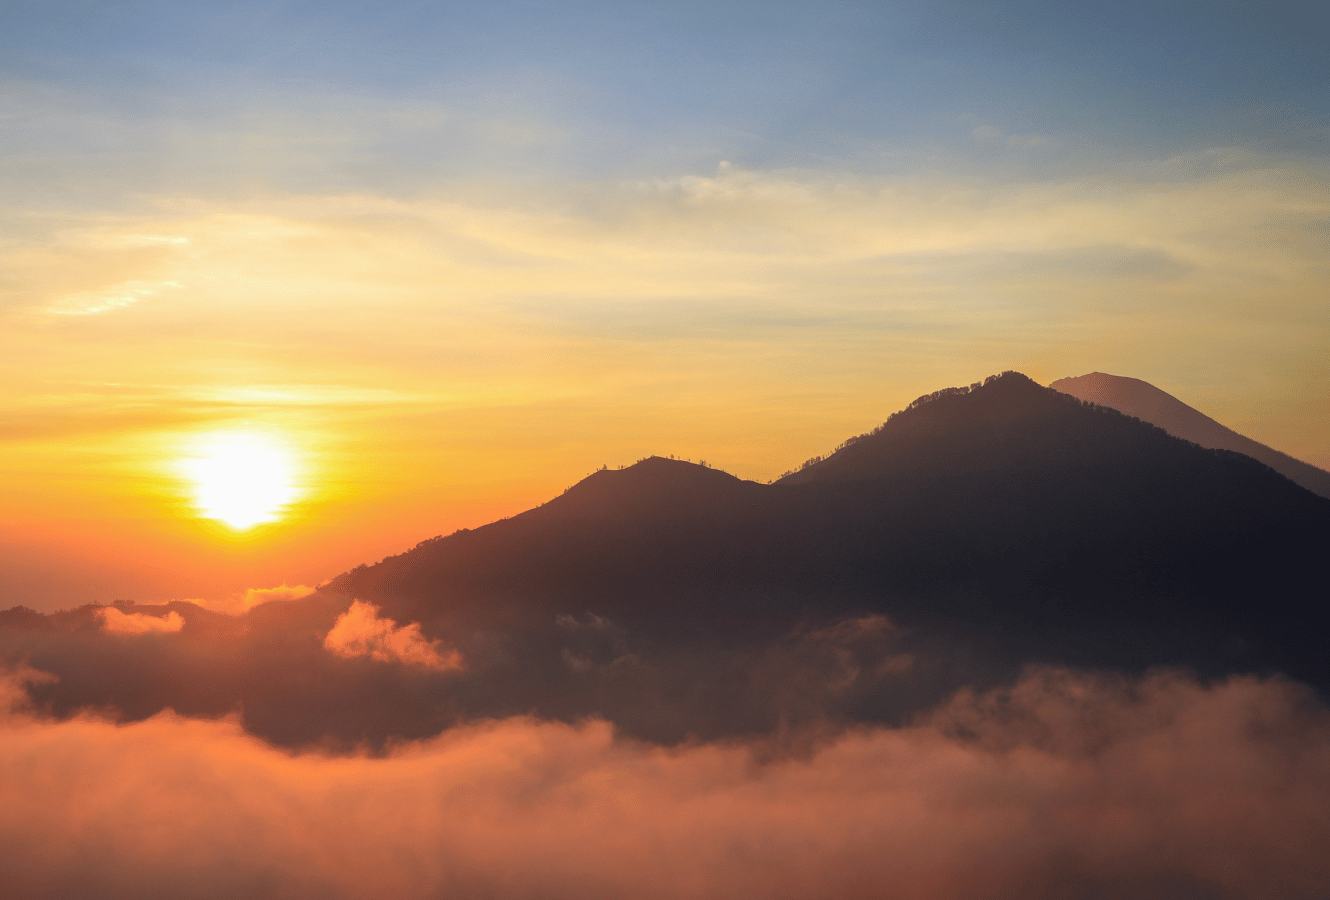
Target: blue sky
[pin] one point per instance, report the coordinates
(644, 88)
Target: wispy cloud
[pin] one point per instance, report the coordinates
(990, 134)
(239, 604)
(111, 298)
(116, 621)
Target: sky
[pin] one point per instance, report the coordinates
(426, 265)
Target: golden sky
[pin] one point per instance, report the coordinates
(443, 301)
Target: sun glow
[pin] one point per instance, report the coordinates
(241, 478)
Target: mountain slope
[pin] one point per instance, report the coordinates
(1148, 403)
(1009, 508)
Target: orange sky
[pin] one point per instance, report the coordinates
(455, 262)
(440, 363)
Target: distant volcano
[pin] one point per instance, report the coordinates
(1149, 404)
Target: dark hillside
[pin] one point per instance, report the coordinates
(1008, 423)
(1008, 506)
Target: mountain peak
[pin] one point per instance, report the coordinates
(985, 424)
(655, 481)
(1134, 397)
(1138, 398)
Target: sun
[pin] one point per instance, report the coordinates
(241, 478)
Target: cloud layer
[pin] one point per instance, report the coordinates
(1064, 785)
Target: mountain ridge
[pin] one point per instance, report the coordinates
(1005, 504)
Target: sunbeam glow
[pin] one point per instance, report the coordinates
(241, 478)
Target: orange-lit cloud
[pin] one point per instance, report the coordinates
(258, 596)
(361, 632)
(1063, 786)
(240, 604)
(117, 622)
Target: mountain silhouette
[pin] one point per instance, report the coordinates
(1148, 403)
(978, 531)
(1006, 507)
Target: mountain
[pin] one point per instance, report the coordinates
(1148, 403)
(980, 530)
(1005, 507)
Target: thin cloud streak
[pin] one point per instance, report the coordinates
(240, 604)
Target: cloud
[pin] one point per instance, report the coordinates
(243, 603)
(1064, 785)
(988, 134)
(114, 297)
(14, 684)
(274, 666)
(117, 622)
(257, 596)
(360, 632)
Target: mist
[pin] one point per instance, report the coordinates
(1062, 785)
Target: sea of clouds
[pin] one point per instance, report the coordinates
(1062, 785)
